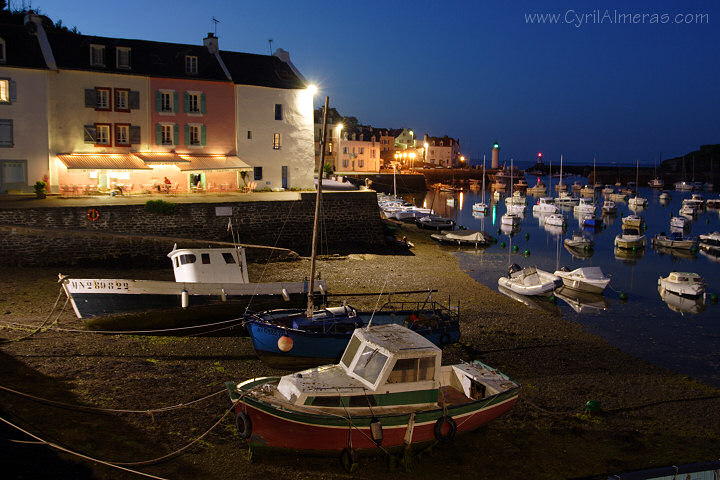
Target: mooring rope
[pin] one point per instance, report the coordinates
(40, 327)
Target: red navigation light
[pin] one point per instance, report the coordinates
(539, 155)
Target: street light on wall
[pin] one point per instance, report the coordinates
(426, 151)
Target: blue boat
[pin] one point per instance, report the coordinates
(288, 339)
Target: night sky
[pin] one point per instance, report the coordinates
(474, 70)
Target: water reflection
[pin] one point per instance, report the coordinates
(682, 305)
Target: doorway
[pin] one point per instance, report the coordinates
(285, 177)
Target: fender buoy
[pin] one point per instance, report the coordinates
(93, 214)
(444, 338)
(349, 459)
(440, 425)
(243, 424)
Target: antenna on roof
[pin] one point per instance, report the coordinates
(215, 21)
(270, 42)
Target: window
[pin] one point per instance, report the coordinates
(370, 364)
(362, 151)
(191, 65)
(249, 134)
(13, 172)
(330, 147)
(257, 173)
(276, 141)
(6, 133)
(102, 134)
(350, 351)
(205, 258)
(2, 51)
(4, 90)
(195, 135)
(361, 162)
(97, 55)
(278, 111)
(345, 162)
(122, 57)
(187, 258)
(102, 99)
(228, 257)
(122, 100)
(166, 135)
(122, 134)
(166, 104)
(194, 102)
(345, 149)
(412, 370)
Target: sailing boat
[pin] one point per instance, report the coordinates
(291, 338)
(656, 182)
(682, 185)
(481, 208)
(709, 185)
(589, 191)
(564, 198)
(637, 200)
(512, 216)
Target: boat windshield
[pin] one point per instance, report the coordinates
(370, 364)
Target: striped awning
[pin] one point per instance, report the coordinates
(160, 158)
(212, 162)
(103, 161)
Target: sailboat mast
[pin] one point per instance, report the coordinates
(483, 200)
(311, 282)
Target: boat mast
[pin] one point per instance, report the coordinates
(311, 286)
(483, 190)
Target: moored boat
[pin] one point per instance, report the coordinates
(633, 221)
(710, 242)
(675, 240)
(679, 223)
(630, 238)
(684, 284)
(529, 280)
(585, 279)
(609, 207)
(545, 205)
(578, 240)
(585, 205)
(435, 222)
(389, 390)
(556, 219)
(463, 237)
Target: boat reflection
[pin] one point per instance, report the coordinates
(682, 305)
(536, 302)
(579, 252)
(510, 229)
(676, 253)
(711, 255)
(629, 256)
(583, 302)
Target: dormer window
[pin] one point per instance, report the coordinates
(122, 59)
(191, 64)
(97, 55)
(3, 58)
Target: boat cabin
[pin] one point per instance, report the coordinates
(209, 265)
(684, 277)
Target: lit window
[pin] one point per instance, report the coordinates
(193, 102)
(102, 99)
(97, 55)
(123, 57)
(122, 134)
(191, 64)
(102, 134)
(6, 133)
(195, 134)
(122, 99)
(4, 91)
(276, 141)
(361, 163)
(166, 102)
(166, 132)
(278, 111)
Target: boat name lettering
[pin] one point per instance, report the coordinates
(100, 284)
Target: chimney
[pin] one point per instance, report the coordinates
(211, 42)
(34, 26)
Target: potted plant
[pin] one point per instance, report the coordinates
(40, 189)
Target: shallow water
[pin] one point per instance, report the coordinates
(684, 337)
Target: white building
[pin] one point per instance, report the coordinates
(356, 154)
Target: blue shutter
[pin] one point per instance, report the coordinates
(187, 134)
(186, 103)
(176, 134)
(202, 103)
(158, 134)
(203, 136)
(158, 101)
(176, 102)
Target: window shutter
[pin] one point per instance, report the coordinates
(134, 134)
(187, 134)
(158, 101)
(176, 104)
(90, 98)
(186, 102)
(203, 135)
(176, 132)
(134, 100)
(158, 134)
(90, 133)
(202, 103)
(13, 91)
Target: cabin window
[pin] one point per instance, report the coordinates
(412, 370)
(326, 401)
(228, 257)
(205, 258)
(176, 262)
(350, 351)
(361, 401)
(188, 258)
(370, 364)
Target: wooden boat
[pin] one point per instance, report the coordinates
(683, 284)
(710, 242)
(529, 280)
(289, 339)
(463, 237)
(389, 390)
(630, 238)
(674, 240)
(521, 185)
(585, 279)
(204, 277)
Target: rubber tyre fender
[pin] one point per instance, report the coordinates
(349, 459)
(243, 424)
(438, 430)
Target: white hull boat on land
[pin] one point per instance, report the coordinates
(529, 280)
(684, 284)
(585, 279)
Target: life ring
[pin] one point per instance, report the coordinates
(93, 214)
(451, 429)
(243, 424)
(444, 338)
(349, 459)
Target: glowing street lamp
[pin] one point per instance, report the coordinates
(426, 151)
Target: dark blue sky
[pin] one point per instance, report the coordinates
(472, 69)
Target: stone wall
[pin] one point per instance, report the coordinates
(349, 221)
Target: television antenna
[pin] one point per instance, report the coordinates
(270, 40)
(215, 21)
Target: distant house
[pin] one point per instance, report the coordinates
(92, 113)
(442, 151)
(357, 153)
(405, 139)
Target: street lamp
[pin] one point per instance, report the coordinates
(412, 160)
(426, 151)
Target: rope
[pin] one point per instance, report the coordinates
(107, 410)
(85, 457)
(39, 328)
(233, 321)
(378, 301)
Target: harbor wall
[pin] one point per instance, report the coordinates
(66, 235)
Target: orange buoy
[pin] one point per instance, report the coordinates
(285, 343)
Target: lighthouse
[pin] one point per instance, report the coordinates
(495, 155)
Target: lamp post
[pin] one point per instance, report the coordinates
(412, 160)
(426, 151)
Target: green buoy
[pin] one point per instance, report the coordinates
(527, 236)
(592, 406)
(515, 248)
(526, 253)
(713, 298)
(623, 296)
(502, 244)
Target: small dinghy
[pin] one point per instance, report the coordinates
(683, 284)
(556, 220)
(529, 280)
(435, 222)
(579, 240)
(585, 279)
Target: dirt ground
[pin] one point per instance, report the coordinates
(650, 416)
